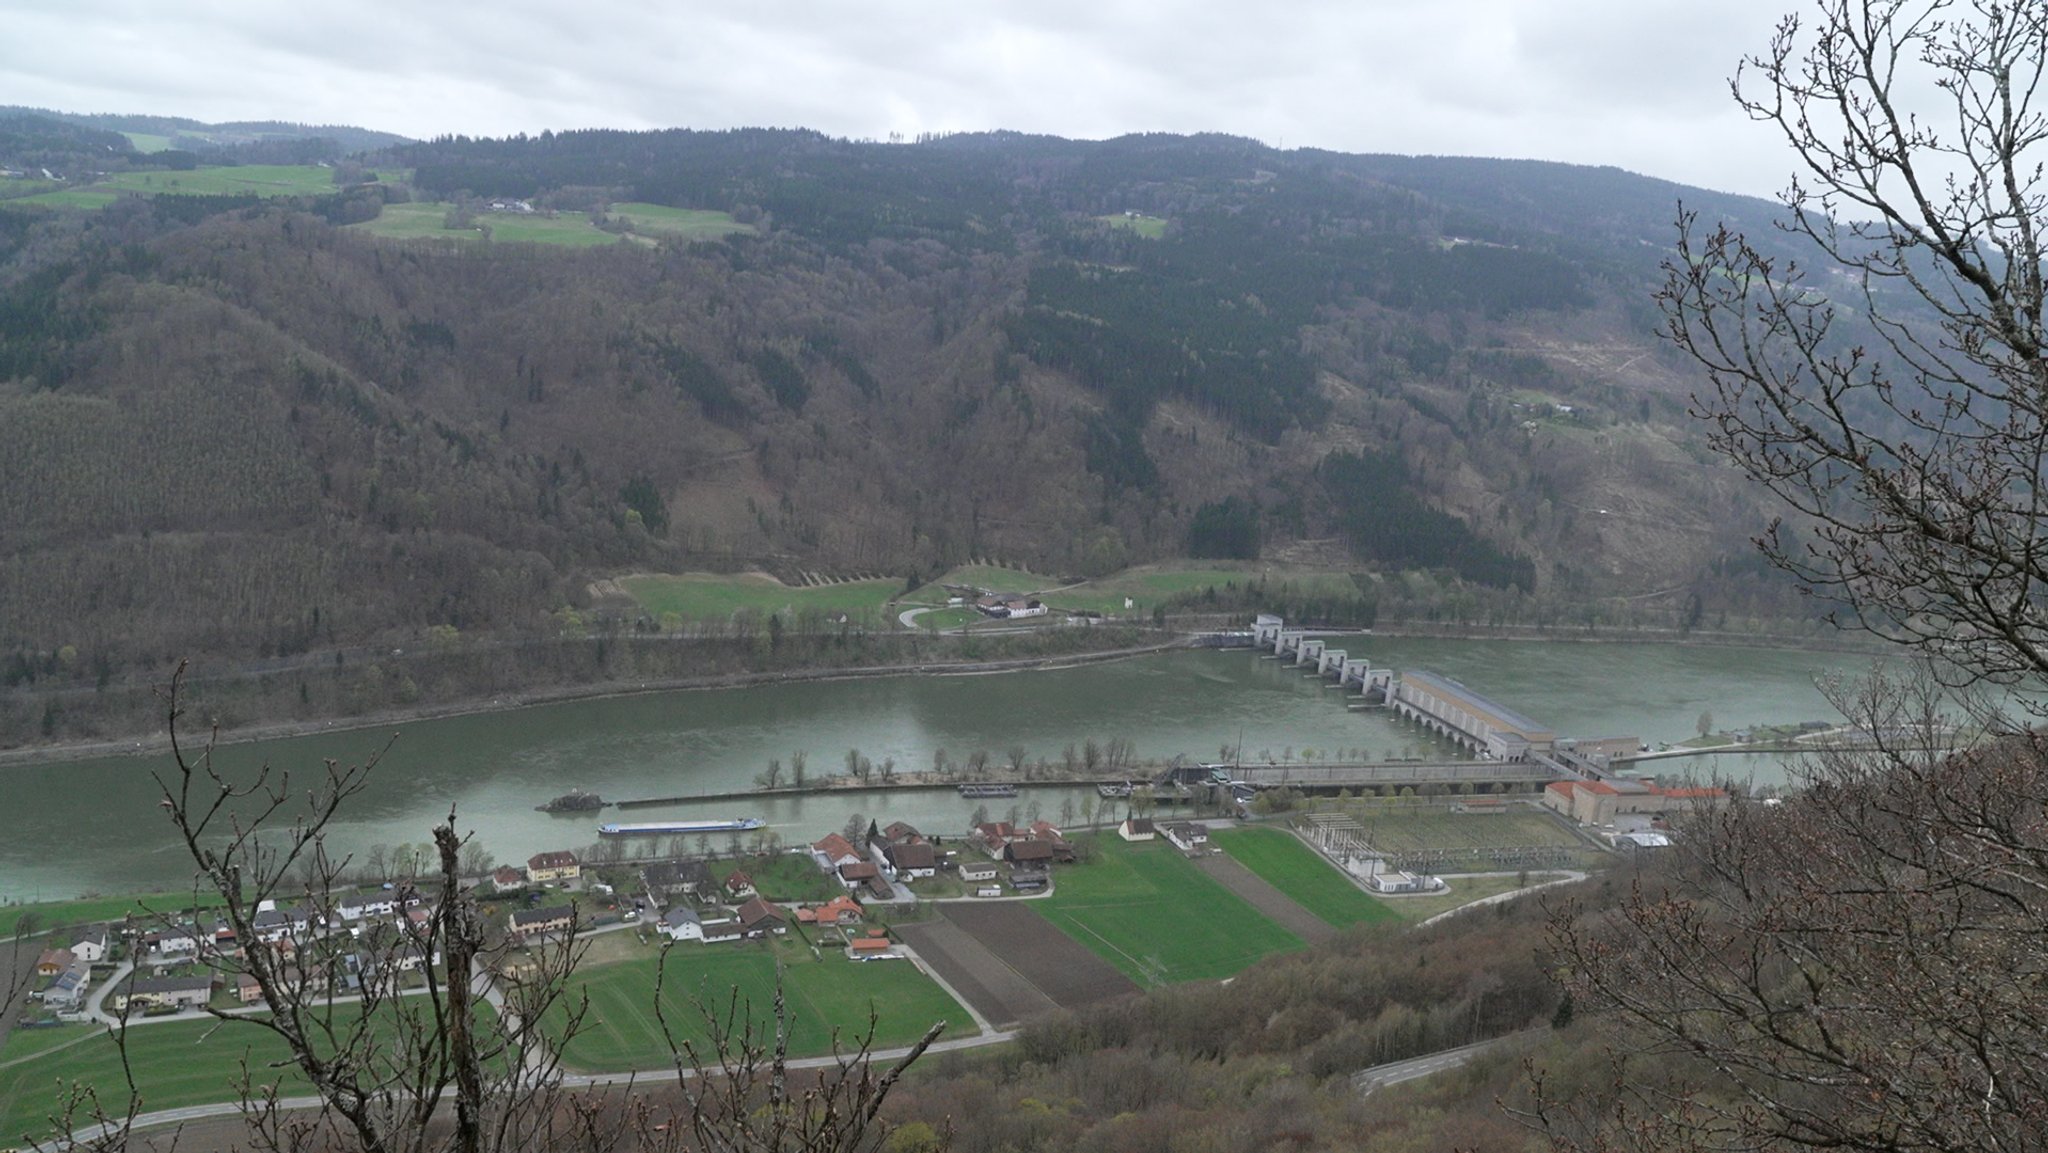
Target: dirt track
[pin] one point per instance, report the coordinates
(1265, 898)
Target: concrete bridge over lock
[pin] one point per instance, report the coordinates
(1310, 650)
(1512, 749)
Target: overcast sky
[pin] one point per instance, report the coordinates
(1640, 84)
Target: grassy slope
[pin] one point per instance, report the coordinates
(622, 1031)
(1298, 871)
(708, 596)
(1149, 227)
(694, 223)
(90, 910)
(1146, 910)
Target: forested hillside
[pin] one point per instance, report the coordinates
(246, 427)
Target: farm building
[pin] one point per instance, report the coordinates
(1136, 829)
(912, 859)
(973, 872)
(1187, 835)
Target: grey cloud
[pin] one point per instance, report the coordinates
(1634, 83)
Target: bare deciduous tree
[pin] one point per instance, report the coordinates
(1914, 455)
(1855, 968)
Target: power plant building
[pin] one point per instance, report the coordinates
(1485, 726)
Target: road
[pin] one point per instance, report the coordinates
(190, 1113)
(1395, 1072)
(1569, 876)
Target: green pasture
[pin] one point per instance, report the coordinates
(622, 1032)
(1282, 861)
(1149, 227)
(425, 221)
(1145, 909)
(175, 1063)
(945, 620)
(92, 910)
(786, 876)
(89, 196)
(147, 142)
(567, 230)
(414, 222)
(690, 223)
(717, 596)
(260, 179)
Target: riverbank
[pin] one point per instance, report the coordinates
(160, 742)
(273, 689)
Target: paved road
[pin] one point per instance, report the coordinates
(1570, 876)
(572, 1081)
(1395, 1072)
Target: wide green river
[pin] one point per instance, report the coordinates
(76, 827)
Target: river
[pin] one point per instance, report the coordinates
(75, 827)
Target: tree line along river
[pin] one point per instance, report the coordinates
(73, 827)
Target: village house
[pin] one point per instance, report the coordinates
(506, 879)
(1028, 852)
(1136, 829)
(147, 993)
(835, 913)
(67, 992)
(758, 918)
(858, 874)
(1187, 836)
(559, 865)
(91, 944)
(977, 872)
(54, 961)
(274, 924)
(738, 886)
(171, 941)
(901, 832)
(670, 881)
(681, 924)
(992, 836)
(912, 859)
(834, 851)
(356, 906)
(547, 922)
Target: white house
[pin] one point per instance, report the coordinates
(1186, 835)
(682, 924)
(91, 945)
(973, 872)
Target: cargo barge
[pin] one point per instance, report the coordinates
(660, 828)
